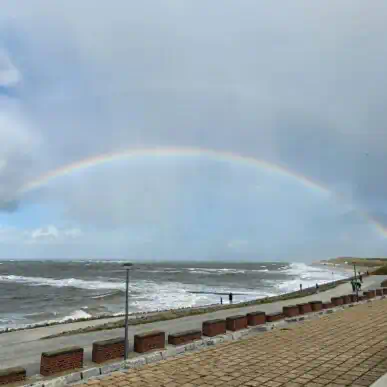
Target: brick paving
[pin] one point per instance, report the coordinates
(347, 348)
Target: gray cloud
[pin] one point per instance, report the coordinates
(297, 84)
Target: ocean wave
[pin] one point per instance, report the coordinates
(60, 283)
(109, 295)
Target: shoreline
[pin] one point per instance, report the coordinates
(110, 321)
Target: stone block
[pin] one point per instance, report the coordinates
(62, 360)
(12, 375)
(272, 317)
(149, 341)
(316, 305)
(304, 308)
(107, 369)
(213, 328)
(108, 350)
(337, 301)
(236, 323)
(256, 318)
(290, 311)
(153, 357)
(91, 372)
(379, 292)
(135, 363)
(184, 337)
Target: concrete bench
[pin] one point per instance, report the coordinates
(184, 337)
(272, 317)
(379, 292)
(337, 301)
(62, 360)
(108, 350)
(316, 305)
(214, 327)
(12, 375)
(149, 341)
(290, 311)
(304, 308)
(384, 291)
(236, 323)
(256, 318)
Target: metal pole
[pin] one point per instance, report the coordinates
(357, 289)
(126, 315)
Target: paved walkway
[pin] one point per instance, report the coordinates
(24, 348)
(346, 348)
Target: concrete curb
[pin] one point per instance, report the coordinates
(174, 351)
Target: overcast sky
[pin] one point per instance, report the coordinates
(297, 83)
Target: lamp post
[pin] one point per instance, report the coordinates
(356, 287)
(127, 267)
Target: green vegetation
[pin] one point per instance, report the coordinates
(361, 262)
(381, 271)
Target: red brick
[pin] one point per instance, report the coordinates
(290, 311)
(369, 294)
(347, 299)
(61, 360)
(328, 305)
(184, 337)
(384, 291)
(272, 317)
(149, 341)
(236, 323)
(12, 375)
(304, 308)
(108, 350)
(337, 301)
(379, 292)
(256, 318)
(214, 327)
(316, 305)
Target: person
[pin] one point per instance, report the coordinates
(353, 285)
(300, 287)
(316, 288)
(358, 285)
(368, 273)
(221, 300)
(360, 278)
(230, 297)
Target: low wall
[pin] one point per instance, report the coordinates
(304, 308)
(379, 292)
(236, 323)
(328, 305)
(108, 350)
(184, 337)
(12, 375)
(316, 305)
(337, 301)
(214, 327)
(256, 318)
(149, 341)
(62, 360)
(290, 311)
(272, 317)
(347, 299)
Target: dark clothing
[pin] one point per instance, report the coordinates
(230, 297)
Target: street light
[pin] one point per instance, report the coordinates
(127, 267)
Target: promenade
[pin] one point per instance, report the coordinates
(347, 348)
(24, 348)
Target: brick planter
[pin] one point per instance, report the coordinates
(384, 291)
(327, 305)
(12, 375)
(62, 360)
(236, 323)
(347, 299)
(256, 318)
(290, 311)
(316, 305)
(337, 301)
(108, 350)
(369, 294)
(379, 292)
(148, 341)
(214, 327)
(272, 317)
(184, 337)
(304, 308)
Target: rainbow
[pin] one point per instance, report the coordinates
(186, 152)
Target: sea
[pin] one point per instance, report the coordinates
(36, 292)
